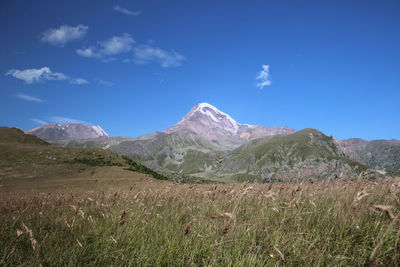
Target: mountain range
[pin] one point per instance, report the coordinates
(55, 132)
(208, 143)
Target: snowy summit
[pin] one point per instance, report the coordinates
(213, 124)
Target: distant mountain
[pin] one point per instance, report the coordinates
(24, 157)
(56, 132)
(302, 156)
(209, 122)
(15, 135)
(305, 155)
(180, 152)
(208, 143)
(381, 154)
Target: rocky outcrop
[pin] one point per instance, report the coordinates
(380, 154)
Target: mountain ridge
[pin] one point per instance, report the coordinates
(206, 143)
(381, 154)
(56, 132)
(305, 155)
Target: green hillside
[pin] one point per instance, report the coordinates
(176, 153)
(305, 155)
(25, 157)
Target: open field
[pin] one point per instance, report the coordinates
(144, 222)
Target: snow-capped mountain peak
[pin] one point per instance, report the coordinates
(54, 132)
(211, 123)
(215, 114)
(218, 118)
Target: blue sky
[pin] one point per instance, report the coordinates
(135, 67)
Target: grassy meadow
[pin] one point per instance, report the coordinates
(141, 221)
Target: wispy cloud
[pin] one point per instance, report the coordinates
(59, 120)
(29, 98)
(41, 122)
(108, 48)
(30, 76)
(145, 54)
(64, 34)
(263, 77)
(104, 83)
(78, 81)
(65, 120)
(127, 11)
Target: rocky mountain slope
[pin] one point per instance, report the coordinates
(213, 124)
(305, 155)
(180, 152)
(56, 132)
(381, 154)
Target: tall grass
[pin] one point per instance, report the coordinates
(337, 223)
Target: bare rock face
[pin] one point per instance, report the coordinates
(213, 124)
(56, 132)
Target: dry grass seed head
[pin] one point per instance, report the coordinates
(226, 215)
(19, 232)
(386, 209)
(360, 195)
(226, 229)
(81, 213)
(188, 226)
(275, 209)
(137, 195)
(270, 194)
(29, 232)
(122, 218)
(280, 253)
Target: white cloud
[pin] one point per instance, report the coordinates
(41, 122)
(29, 98)
(110, 47)
(88, 52)
(78, 81)
(64, 34)
(65, 120)
(263, 77)
(36, 75)
(105, 83)
(117, 45)
(146, 53)
(127, 11)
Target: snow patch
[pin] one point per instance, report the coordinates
(99, 131)
(202, 107)
(250, 125)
